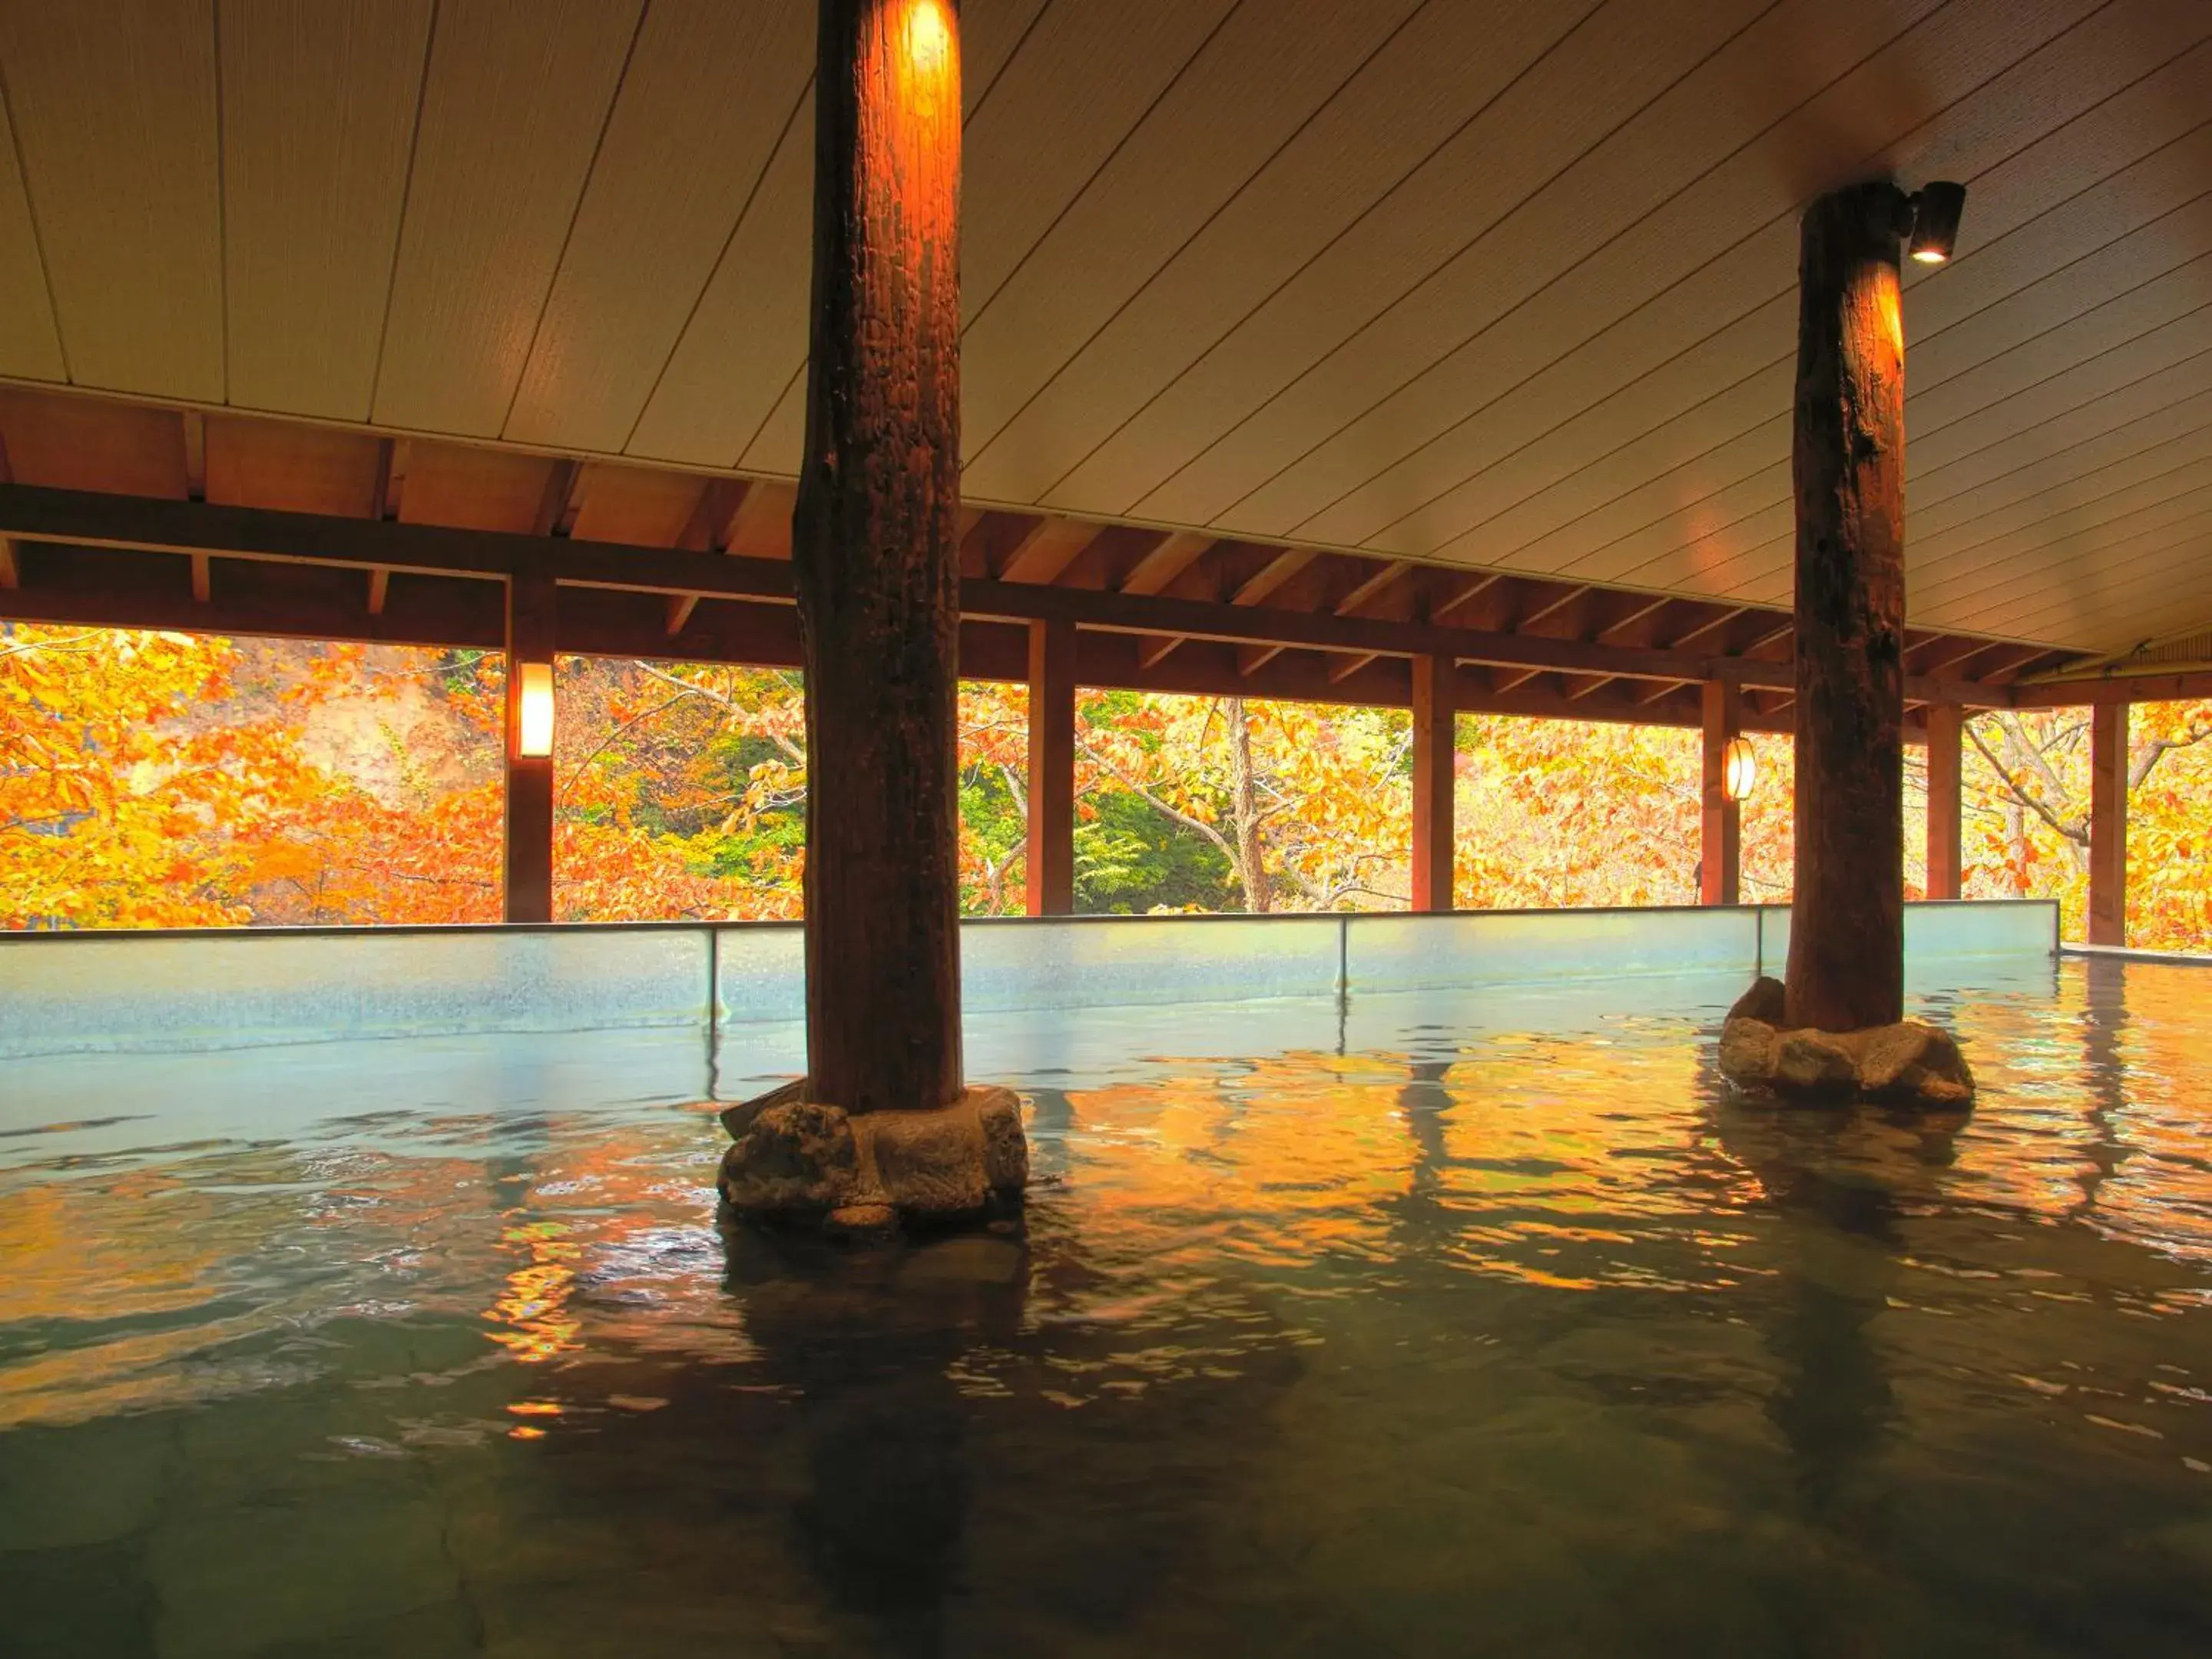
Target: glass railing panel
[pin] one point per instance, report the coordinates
(194, 992)
(1139, 960)
(760, 972)
(1389, 953)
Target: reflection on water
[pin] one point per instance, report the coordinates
(1485, 1326)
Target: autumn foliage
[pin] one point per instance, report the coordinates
(164, 780)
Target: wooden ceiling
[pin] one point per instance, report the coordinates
(1507, 286)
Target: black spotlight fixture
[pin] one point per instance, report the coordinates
(1935, 211)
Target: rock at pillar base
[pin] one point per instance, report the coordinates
(1908, 1064)
(796, 1160)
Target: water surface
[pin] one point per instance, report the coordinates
(1426, 1325)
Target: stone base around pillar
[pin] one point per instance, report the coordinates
(796, 1160)
(1908, 1064)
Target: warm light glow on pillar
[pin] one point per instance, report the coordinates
(533, 720)
(1738, 769)
(928, 39)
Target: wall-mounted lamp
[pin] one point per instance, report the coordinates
(1936, 212)
(534, 718)
(1738, 769)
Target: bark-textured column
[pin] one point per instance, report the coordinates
(1847, 925)
(529, 836)
(1720, 863)
(2108, 824)
(875, 543)
(1052, 769)
(1947, 728)
(1435, 723)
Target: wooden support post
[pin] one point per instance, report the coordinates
(1847, 928)
(875, 544)
(2108, 824)
(529, 851)
(1720, 866)
(1434, 721)
(1947, 730)
(1051, 886)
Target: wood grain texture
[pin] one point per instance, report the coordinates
(291, 467)
(517, 95)
(1720, 844)
(113, 106)
(319, 105)
(1846, 968)
(1946, 732)
(532, 625)
(875, 549)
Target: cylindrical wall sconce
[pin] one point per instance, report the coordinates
(1738, 769)
(533, 721)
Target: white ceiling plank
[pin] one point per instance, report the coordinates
(710, 88)
(319, 107)
(516, 97)
(1248, 89)
(1424, 81)
(1594, 134)
(1728, 248)
(30, 345)
(739, 349)
(113, 105)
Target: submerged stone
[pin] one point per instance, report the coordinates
(793, 1159)
(1908, 1064)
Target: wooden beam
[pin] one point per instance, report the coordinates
(1435, 685)
(380, 588)
(1384, 577)
(1165, 562)
(94, 520)
(1051, 831)
(1344, 665)
(203, 579)
(531, 625)
(1846, 970)
(380, 495)
(1251, 659)
(2185, 687)
(707, 529)
(195, 455)
(761, 526)
(555, 508)
(1256, 588)
(1466, 593)
(680, 607)
(1047, 549)
(1947, 726)
(9, 575)
(1720, 862)
(2108, 824)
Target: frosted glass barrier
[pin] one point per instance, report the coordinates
(760, 972)
(1937, 934)
(1414, 953)
(1141, 960)
(119, 992)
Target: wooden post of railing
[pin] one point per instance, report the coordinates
(531, 601)
(1847, 922)
(1720, 866)
(1435, 718)
(2108, 824)
(1947, 728)
(1051, 886)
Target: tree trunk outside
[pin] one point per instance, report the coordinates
(1847, 926)
(875, 543)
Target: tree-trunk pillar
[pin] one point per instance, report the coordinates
(1052, 769)
(1947, 728)
(875, 545)
(1435, 723)
(2108, 824)
(1720, 863)
(1847, 926)
(528, 853)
